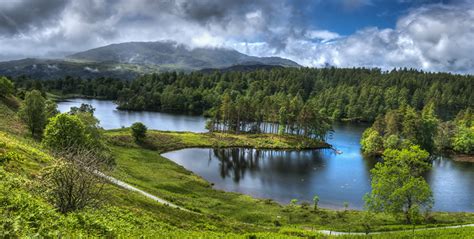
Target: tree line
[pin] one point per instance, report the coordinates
(341, 94)
(278, 114)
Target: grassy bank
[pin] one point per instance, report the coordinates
(144, 167)
(163, 141)
(58, 96)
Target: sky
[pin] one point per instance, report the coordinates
(423, 34)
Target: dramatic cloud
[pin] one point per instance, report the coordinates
(19, 16)
(48, 28)
(433, 37)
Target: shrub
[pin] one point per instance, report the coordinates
(138, 131)
(6, 87)
(63, 132)
(75, 181)
(9, 156)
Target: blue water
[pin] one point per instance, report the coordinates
(111, 118)
(285, 175)
(335, 178)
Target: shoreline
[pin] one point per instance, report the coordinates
(466, 158)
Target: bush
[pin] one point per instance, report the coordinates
(305, 205)
(6, 87)
(9, 156)
(63, 132)
(138, 131)
(74, 182)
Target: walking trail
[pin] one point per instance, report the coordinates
(132, 188)
(325, 232)
(335, 233)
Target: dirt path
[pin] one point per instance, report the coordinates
(325, 232)
(127, 186)
(335, 233)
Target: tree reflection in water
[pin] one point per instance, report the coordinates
(234, 162)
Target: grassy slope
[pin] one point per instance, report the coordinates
(123, 212)
(148, 170)
(25, 212)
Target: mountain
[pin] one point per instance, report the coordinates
(173, 55)
(131, 59)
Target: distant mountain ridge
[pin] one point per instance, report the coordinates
(131, 59)
(172, 54)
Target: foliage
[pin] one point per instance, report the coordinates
(138, 131)
(6, 87)
(92, 130)
(403, 127)
(73, 182)
(371, 141)
(64, 132)
(463, 141)
(280, 114)
(354, 94)
(397, 185)
(51, 109)
(463, 138)
(9, 156)
(33, 113)
(392, 142)
(84, 108)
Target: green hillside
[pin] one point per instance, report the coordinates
(27, 211)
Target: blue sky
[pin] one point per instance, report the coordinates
(423, 34)
(346, 20)
(348, 16)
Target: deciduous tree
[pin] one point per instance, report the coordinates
(33, 113)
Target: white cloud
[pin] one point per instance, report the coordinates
(323, 35)
(432, 38)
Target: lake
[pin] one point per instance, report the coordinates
(285, 175)
(335, 178)
(111, 118)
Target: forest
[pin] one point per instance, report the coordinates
(356, 94)
(403, 127)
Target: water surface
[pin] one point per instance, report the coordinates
(111, 118)
(335, 178)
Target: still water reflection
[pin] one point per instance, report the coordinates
(336, 178)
